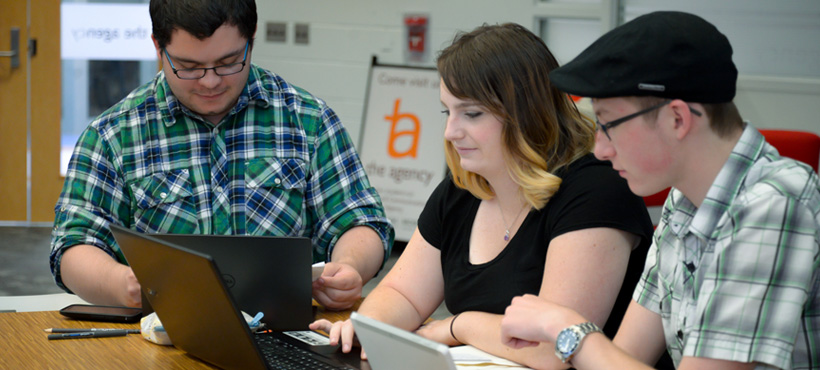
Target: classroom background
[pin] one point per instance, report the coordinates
(50, 92)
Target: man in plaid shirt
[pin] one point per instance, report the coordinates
(216, 145)
(732, 280)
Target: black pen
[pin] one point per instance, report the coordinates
(83, 330)
(90, 334)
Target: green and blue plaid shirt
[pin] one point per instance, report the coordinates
(279, 163)
(739, 277)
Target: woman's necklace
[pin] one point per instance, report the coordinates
(507, 228)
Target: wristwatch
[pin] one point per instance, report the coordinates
(569, 340)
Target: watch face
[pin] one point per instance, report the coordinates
(567, 341)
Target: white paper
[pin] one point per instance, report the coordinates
(470, 357)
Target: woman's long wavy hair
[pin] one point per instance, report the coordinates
(505, 68)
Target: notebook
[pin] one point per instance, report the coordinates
(263, 273)
(391, 348)
(187, 290)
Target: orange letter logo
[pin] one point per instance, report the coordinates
(394, 120)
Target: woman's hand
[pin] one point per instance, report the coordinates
(439, 331)
(338, 332)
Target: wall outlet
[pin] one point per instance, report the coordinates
(301, 34)
(276, 31)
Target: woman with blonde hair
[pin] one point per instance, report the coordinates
(526, 208)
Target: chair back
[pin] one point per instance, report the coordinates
(799, 145)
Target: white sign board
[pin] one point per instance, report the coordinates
(402, 141)
(106, 32)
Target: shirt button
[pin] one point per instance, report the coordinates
(277, 181)
(219, 189)
(163, 195)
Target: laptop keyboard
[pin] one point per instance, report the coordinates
(283, 355)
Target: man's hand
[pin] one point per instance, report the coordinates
(339, 287)
(99, 279)
(131, 296)
(530, 320)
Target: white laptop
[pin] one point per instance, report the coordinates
(391, 348)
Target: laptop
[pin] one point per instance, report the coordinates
(265, 274)
(187, 290)
(391, 348)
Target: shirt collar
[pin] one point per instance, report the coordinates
(170, 108)
(728, 182)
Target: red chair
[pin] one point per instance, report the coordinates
(800, 145)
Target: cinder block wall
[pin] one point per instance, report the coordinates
(345, 34)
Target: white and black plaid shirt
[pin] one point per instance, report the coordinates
(739, 278)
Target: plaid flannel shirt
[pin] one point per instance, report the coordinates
(739, 277)
(279, 163)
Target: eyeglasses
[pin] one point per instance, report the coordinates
(611, 124)
(197, 73)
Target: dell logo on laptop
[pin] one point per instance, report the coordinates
(229, 280)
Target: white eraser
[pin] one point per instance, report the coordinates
(318, 268)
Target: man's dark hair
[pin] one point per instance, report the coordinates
(724, 118)
(201, 18)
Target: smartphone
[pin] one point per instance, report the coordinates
(102, 313)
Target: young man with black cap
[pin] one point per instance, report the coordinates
(732, 280)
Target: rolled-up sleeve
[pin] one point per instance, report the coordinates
(92, 196)
(338, 189)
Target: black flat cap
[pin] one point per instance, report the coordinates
(672, 55)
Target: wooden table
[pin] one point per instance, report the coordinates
(24, 345)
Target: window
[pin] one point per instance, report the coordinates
(106, 52)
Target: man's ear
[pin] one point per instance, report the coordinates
(683, 118)
(159, 51)
(253, 38)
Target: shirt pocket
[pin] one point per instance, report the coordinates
(275, 196)
(163, 203)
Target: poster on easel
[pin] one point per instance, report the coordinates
(401, 142)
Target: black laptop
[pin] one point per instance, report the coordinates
(263, 273)
(188, 292)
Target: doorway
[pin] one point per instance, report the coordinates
(30, 180)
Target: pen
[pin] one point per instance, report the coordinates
(90, 334)
(83, 330)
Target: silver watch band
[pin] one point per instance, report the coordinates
(580, 331)
(588, 327)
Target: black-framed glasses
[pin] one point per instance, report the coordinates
(611, 124)
(197, 73)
